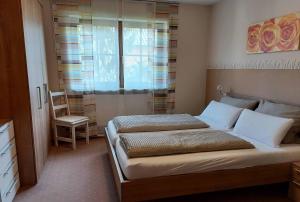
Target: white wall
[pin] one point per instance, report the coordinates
(191, 69)
(229, 24)
(109, 106)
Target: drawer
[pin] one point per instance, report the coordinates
(7, 154)
(8, 173)
(10, 191)
(6, 134)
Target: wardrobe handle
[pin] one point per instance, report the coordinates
(39, 97)
(45, 87)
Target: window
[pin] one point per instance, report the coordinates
(127, 55)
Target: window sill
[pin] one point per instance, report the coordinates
(128, 92)
(119, 92)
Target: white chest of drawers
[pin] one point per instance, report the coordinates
(9, 176)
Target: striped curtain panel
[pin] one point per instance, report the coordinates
(165, 64)
(73, 41)
(86, 66)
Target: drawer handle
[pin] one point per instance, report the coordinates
(6, 172)
(2, 131)
(10, 188)
(296, 183)
(4, 153)
(297, 171)
(7, 193)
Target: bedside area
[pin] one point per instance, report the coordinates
(9, 175)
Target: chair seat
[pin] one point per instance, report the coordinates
(72, 119)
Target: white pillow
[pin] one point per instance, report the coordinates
(266, 129)
(219, 115)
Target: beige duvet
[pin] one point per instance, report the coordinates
(206, 140)
(151, 123)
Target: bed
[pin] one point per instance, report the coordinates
(147, 167)
(147, 178)
(131, 175)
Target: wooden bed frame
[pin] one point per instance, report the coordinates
(193, 183)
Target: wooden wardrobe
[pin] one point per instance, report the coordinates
(25, 84)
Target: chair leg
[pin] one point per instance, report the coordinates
(87, 133)
(73, 138)
(55, 135)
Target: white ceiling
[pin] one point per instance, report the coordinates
(201, 2)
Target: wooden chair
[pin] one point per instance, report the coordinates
(68, 120)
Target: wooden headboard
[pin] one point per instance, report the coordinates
(276, 85)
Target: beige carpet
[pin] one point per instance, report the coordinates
(84, 175)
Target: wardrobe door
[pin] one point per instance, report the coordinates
(32, 22)
(45, 127)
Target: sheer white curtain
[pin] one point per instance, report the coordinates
(123, 49)
(123, 32)
(138, 46)
(106, 55)
(105, 45)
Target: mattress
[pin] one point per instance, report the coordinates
(135, 168)
(112, 132)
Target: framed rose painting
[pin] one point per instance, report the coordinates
(276, 34)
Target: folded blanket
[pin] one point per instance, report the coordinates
(150, 123)
(149, 144)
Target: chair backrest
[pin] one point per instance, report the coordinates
(60, 106)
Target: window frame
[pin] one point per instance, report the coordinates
(121, 55)
(122, 89)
